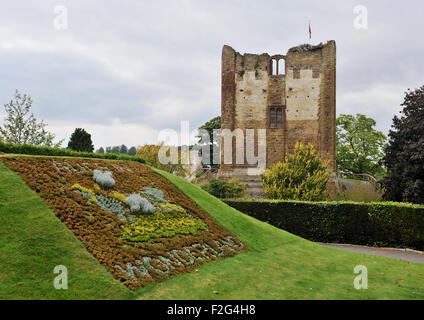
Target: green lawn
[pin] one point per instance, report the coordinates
(279, 265)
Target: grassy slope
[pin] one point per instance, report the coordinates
(279, 266)
(33, 241)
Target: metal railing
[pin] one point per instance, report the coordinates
(359, 176)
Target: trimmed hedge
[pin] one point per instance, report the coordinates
(377, 224)
(58, 152)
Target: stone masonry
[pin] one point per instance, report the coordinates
(292, 96)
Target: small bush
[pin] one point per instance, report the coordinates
(303, 176)
(225, 189)
(58, 152)
(306, 47)
(137, 203)
(103, 178)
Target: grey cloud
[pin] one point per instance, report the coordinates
(151, 64)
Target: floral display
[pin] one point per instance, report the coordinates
(133, 221)
(159, 224)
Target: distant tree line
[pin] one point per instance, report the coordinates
(81, 141)
(123, 149)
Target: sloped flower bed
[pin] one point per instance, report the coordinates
(175, 236)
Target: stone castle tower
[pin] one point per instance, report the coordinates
(292, 96)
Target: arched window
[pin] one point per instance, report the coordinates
(277, 65)
(276, 117)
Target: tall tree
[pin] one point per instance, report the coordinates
(100, 150)
(151, 153)
(123, 149)
(132, 151)
(210, 126)
(81, 141)
(359, 145)
(115, 149)
(21, 126)
(405, 151)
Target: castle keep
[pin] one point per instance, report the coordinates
(292, 96)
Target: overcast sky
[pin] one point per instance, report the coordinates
(124, 70)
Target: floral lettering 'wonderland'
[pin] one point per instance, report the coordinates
(141, 227)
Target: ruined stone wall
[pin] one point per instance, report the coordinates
(306, 92)
(228, 87)
(311, 99)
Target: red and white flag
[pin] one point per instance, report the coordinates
(310, 31)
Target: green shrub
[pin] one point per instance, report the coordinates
(376, 223)
(303, 176)
(225, 189)
(58, 152)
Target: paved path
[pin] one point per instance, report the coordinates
(400, 254)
